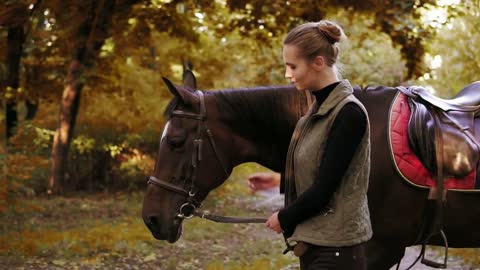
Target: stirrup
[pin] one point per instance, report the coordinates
(431, 263)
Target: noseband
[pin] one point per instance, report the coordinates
(187, 209)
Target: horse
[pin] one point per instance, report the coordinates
(208, 133)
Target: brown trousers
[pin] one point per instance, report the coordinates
(338, 258)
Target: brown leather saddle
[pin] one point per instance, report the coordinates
(456, 125)
(442, 134)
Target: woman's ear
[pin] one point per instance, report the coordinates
(318, 63)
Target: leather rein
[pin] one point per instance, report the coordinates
(191, 207)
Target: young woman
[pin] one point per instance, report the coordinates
(326, 214)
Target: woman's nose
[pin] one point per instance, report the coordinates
(288, 75)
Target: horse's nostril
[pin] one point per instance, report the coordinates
(150, 222)
(153, 220)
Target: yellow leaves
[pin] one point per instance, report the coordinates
(135, 162)
(9, 93)
(150, 257)
(132, 21)
(21, 166)
(91, 239)
(113, 149)
(108, 48)
(43, 137)
(470, 255)
(176, 69)
(215, 266)
(17, 170)
(83, 144)
(261, 263)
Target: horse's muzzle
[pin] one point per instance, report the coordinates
(161, 232)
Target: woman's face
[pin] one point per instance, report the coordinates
(298, 69)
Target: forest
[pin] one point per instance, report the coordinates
(82, 102)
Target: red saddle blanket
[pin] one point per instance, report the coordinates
(406, 162)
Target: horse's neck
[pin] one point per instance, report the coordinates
(264, 117)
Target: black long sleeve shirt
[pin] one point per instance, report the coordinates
(343, 139)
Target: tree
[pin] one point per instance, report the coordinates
(399, 19)
(89, 37)
(13, 16)
(117, 70)
(16, 37)
(453, 69)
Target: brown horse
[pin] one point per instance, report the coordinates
(209, 133)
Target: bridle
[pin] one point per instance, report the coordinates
(190, 207)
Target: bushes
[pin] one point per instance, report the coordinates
(105, 161)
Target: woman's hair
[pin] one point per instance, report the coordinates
(317, 38)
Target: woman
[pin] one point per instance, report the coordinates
(326, 214)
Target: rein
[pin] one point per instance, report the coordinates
(190, 208)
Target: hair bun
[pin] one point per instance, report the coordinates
(331, 31)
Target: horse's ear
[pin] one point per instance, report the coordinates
(189, 79)
(183, 95)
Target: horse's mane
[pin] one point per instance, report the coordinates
(270, 102)
(266, 115)
(236, 100)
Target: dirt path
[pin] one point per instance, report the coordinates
(105, 231)
(411, 253)
(270, 199)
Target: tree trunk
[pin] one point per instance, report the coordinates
(16, 37)
(91, 35)
(66, 123)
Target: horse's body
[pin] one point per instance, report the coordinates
(256, 125)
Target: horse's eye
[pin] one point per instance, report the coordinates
(176, 142)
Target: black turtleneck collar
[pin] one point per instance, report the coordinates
(322, 94)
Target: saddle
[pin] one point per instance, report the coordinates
(441, 134)
(454, 121)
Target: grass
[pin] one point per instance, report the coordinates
(105, 231)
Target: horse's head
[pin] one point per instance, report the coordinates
(189, 164)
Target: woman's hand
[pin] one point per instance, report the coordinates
(273, 223)
(262, 181)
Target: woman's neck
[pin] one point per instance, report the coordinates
(326, 78)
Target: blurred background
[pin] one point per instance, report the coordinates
(82, 103)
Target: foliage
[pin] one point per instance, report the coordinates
(124, 96)
(16, 186)
(101, 162)
(231, 44)
(368, 57)
(52, 24)
(398, 19)
(458, 67)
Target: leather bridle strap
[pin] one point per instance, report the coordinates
(166, 185)
(227, 219)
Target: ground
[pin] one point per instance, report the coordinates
(105, 231)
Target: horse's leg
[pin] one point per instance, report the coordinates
(383, 255)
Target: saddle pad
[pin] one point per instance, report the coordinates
(406, 162)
